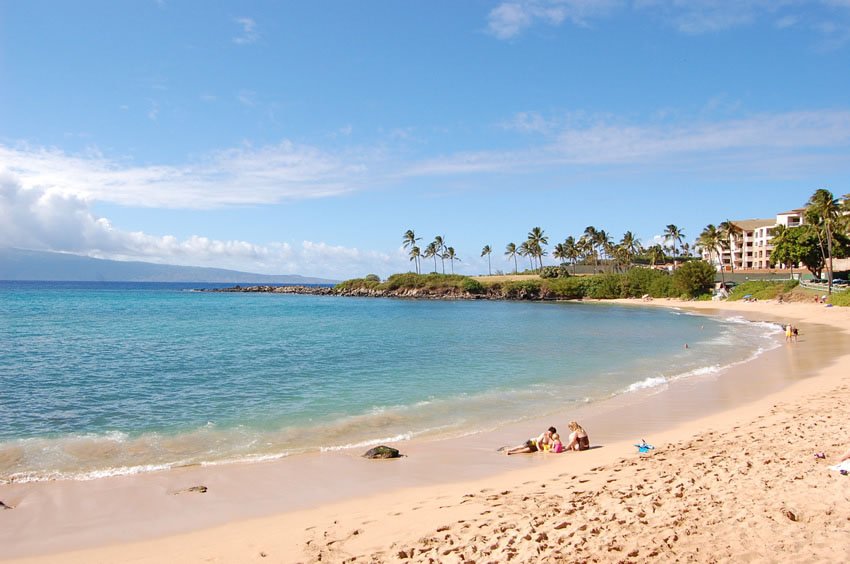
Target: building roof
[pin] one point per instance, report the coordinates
(750, 224)
(793, 212)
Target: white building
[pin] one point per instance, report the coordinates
(750, 248)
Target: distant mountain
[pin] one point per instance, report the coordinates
(16, 264)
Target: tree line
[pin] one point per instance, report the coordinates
(594, 245)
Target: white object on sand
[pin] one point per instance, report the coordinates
(842, 466)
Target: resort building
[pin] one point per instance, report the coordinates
(749, 248)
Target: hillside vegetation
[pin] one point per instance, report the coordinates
(692, 280)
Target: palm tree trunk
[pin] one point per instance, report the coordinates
(829, 264)
(489, 270)
(516, 267)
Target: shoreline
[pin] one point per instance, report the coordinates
(407, 480)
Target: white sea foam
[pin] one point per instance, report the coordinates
(368, 443)
(651, 382)
(83, 476)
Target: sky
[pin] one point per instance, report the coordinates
(307, 137)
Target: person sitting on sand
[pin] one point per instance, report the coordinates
(578, 437)
(557, 446)
(544, 440)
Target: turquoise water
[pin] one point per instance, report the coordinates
(102, 379)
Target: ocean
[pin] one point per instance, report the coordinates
(102, 379)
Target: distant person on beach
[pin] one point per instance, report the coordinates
(795, 333)
(846, 456)
(557, 446)
(542, 442)
(578, 439)
(527, 448)
(788, 333)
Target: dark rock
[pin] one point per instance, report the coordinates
(193, 489)
(381, 452)
(4, 506)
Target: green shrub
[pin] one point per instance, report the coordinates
(373, 278)
(762, 289)
(522, 289)
(565, 288)
(357, 283)
(662, 287)
(554, 272)
(604, 286)
(641, 281)
(472, 286)
(841, 299)
(693, 278)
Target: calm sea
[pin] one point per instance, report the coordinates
(99, 379)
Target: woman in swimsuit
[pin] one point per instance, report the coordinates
(578, 437)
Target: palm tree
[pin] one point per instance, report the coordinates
(729, 233)
(414, 256)
(560, 252)
(431, 251)
(511, 253)
(674, 234)
(711, 241)
(409, 240)
(589, 244)
(440, 244)
(536, 241)
(823, 211)
(450, 254)
(604, 243)
(573, 251)
(525, 251)
(656, 254)
(630, 246)
(486, 251)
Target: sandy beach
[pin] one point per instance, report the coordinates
(732, 478)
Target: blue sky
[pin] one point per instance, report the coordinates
(305, 137)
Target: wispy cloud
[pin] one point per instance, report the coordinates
(248, 33)
(768, 139)
(237, 176)
(512, 17)
(39, 219)
(509, 19)
(528, 122)
(153, 110)
(571, 144)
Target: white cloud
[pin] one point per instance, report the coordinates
(245, 175)
(153, 111)
(49, 220)
(528, 122)
(249, 31)
(767, 140)
(509, 19)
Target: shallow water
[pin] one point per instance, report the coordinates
(104, 379)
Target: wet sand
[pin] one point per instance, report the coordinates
(310, 507)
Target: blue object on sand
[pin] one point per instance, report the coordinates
(644, 447)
